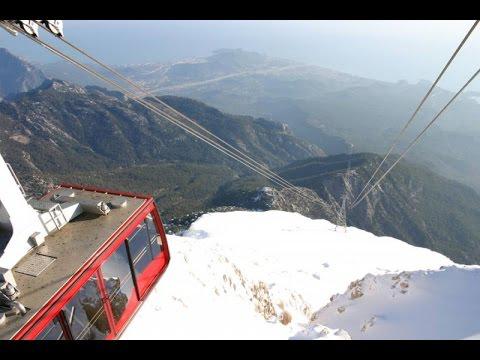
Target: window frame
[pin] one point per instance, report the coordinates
(158, 264)
(147, 250)
(63, 334)
(118, 325)
(101, 295)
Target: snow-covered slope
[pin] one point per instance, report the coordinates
(411, 305)
(269, 274)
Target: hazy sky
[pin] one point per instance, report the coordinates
(385, 50)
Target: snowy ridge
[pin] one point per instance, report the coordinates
(439, 304)
(248, 275)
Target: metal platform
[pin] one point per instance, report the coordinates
(35, 264)
(44, 270)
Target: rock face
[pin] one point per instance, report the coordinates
(17, 75)
(269, 198)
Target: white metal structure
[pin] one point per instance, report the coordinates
(54, 26)
(30, 27)
(19, 222)
(24, 224)
(8, 27)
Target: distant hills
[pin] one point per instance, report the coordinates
(222, 65)
(17, 75)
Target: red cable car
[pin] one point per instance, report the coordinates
(88, 278)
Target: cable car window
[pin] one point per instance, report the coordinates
(139, 245)
(118, 281)
(86, 315)
(53, 331)
(155, 239)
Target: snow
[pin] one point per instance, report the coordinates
(270, 275)
(413, 305)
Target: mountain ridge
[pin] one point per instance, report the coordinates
(17, 75)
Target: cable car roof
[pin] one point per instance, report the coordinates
(48, 267)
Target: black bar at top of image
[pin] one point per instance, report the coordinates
(237, 10)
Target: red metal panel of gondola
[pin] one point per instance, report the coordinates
(144, 222)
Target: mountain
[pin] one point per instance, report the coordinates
(328, 108)
(64, 132)
(278, 275)
(17, 75)
(413, 203)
